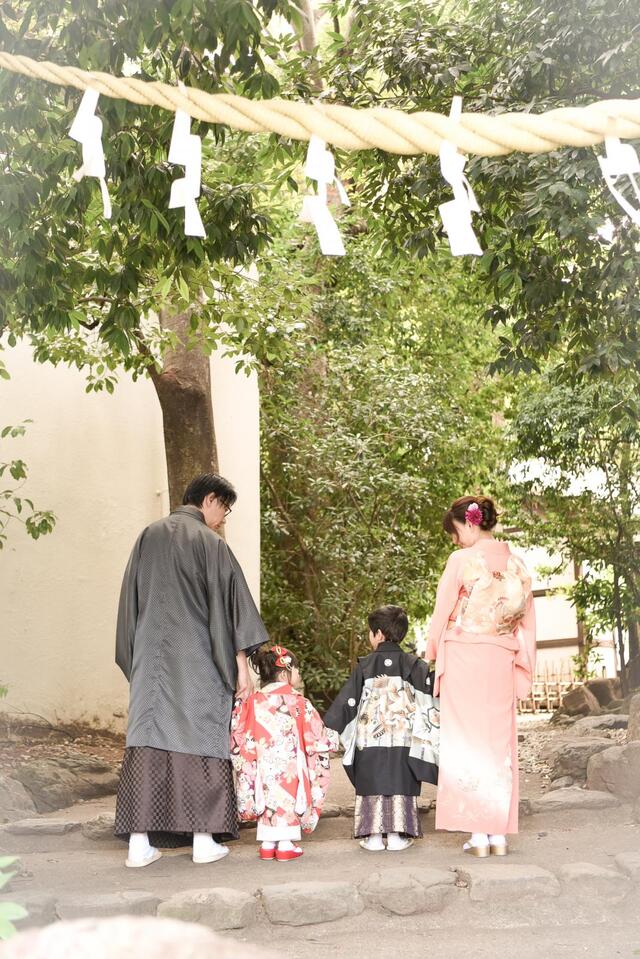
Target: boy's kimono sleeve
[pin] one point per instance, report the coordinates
(342, 716)
(425, 733)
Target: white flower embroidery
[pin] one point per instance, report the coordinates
(351, 701)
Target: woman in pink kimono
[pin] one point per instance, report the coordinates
(482, 638)
(280, 752)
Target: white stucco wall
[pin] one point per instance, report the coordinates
(98, 462)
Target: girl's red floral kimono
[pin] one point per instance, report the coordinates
(280, 752)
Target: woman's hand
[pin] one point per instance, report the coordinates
(243, 684)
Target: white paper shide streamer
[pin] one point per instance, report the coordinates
(320, 166)
(186, 150)
(87, 130)
(456, 214)
(621, 160)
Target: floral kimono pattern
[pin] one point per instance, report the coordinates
(280, 752)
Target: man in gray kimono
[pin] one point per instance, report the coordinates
(186, 623)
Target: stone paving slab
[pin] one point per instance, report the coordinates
(218, 908)
(405, 892)
(40, 827)
(507, 882)
(130, 902)
(629, 864)
(573, 797)
(588, 881)
(306, 903)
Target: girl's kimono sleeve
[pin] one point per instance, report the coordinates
(526, 658)
(244, 758)
(318, 743)
(446, 599)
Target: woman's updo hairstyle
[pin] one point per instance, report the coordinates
(458, 509)
(264, 660)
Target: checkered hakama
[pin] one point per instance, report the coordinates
(172, 795)
(384, 814)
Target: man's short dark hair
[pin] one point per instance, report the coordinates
(392, 621)
(207, 483)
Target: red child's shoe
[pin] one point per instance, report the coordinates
(267, 853)
(286, 855)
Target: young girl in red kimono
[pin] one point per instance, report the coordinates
(280, 752)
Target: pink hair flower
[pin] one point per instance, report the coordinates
(473, 514)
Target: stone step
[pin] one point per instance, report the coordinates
(482, 894)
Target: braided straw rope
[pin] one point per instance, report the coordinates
(351, 129)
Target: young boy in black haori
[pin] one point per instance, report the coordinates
(389, 723)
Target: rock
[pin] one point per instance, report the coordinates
(145, 938)
(404, 892)
(561, 783)
(425, 805)
(633, 731)
(217, 908)
(616, 770)
(569, 757)
(329, 811)
(129, 903)
(508, 883)
(593, 725)
(64, 781)
(584, 880)
(42, 827)
(15, 801)
(580, 702)
(41, 909)
(605, 690)
(304, 903)
(635, 812)
(525, 808)
(629, 864)
(573, 798)
(348, 810)
(99, 828)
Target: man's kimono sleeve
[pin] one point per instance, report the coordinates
(128, 611)
(234, 621)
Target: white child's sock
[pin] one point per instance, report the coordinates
(285, 845)
(268, 846)
(497, 840)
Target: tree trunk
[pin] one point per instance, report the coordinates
(184, 392)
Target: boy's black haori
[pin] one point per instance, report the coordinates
(389, 721)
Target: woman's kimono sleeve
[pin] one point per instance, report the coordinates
(526, 657)
(446, 599)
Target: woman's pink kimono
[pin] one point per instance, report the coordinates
(482, 637)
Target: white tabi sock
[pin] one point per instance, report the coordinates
(205, 845)
(269, 845)
(479, 839)
(139, 846)
(498, 840)
(285, 845)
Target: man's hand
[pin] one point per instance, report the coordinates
(243, 685)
